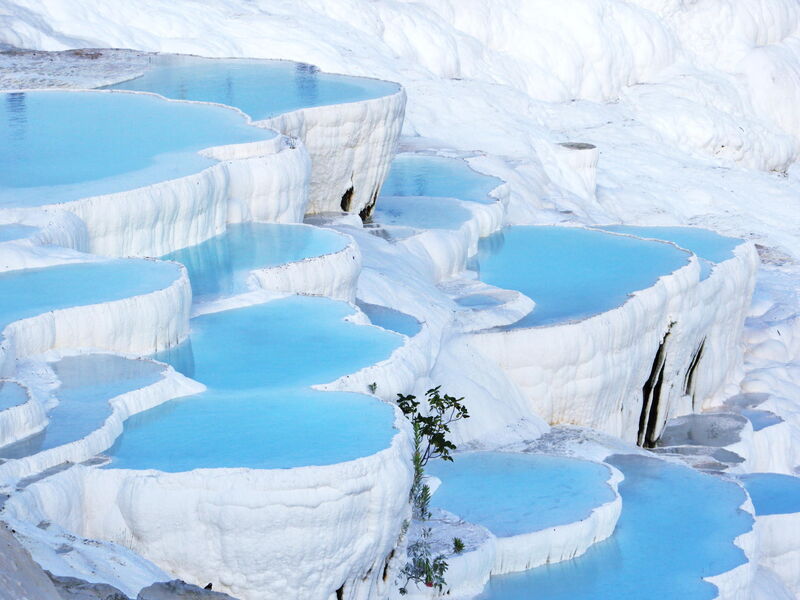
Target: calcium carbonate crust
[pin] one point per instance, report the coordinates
(351, 147)
(334, 275)
(170, 385)
(297, 533)
(591, 372)
(141, 324)
(23, 420)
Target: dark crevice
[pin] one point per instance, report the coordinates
(386, 565)
(651, 396)
(650, 437)
(340, 593)
(366, 212)
(347, 199)
(689, 380)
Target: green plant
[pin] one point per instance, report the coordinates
(430, 441)
(372, 387)
(458, 545)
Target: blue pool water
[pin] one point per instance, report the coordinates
(420, 213)
(258, 411)
(15, 231)
(88, 382)
(511, 494)
(391, 319)
(11, 394)
(772, 493)
(709, 246)
(677, 526)
(572, 273)
(220, 266)
(30, 292)
(419, 175)
(61, 146)
(261, 88)
(760, 419)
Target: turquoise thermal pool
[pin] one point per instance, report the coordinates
(221, 266)
(773, 493)
(512, 494)
(11, 394)
(260, 88)
(677, 526)
(30, 292)
(88, 382)
(259, 411)
(420, 213)
(391, 319)
(572, 273)
(58, 146)
(9, 233)
(709, 246)
(439, 177)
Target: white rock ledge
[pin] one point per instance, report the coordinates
(171, 385)
(591, 372)
(139, 325)
(351, 147)
(23, 420)
(563, 542)
(300, 533)
(334, 275)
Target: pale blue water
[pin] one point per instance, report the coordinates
(88, 382)
(61, 146)
(419, 175)
(511, 494)
(259, 411)
(261, 88)
(709, 246)
(220, 266)
(760, 419)
(30, 292)
(391, 319)
(11, 394)
(420, 213)
(478, 301)
(677, 526)
(15, 232)
(572, 273)
(773, 493)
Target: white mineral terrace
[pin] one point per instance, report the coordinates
(216, 276)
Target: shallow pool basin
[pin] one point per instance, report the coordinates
(572, 273)
(439, 177)
(513, 494)
(221, 266)
(710, 247)
(773, 493)
(677, 526)
(259, 411)
(260, 88)
(88, 382)
(59, 146)
(11, 394)
(29, 292)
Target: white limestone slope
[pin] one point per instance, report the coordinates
(591, 372)
(141, 324)
(22, 420)
(778, 549)
(260, 181)
(351, 146)
(231, 525)
(334, 275)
